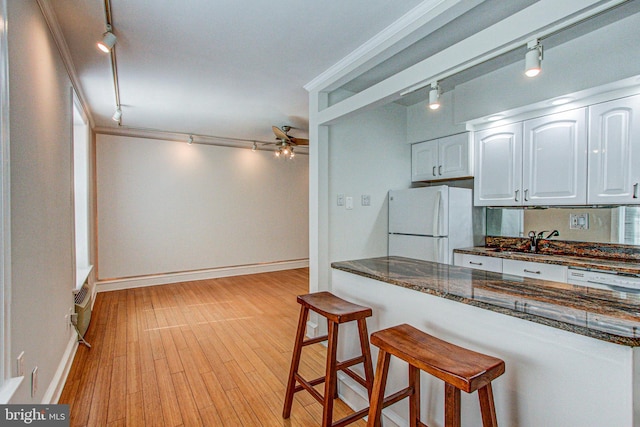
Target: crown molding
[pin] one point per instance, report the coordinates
(63, 49)
(390, 41)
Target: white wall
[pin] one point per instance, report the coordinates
(165, 206)
(41, 198)
(368, 155)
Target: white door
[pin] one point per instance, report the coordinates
(420, 247)
(555, 159)
(498, 167)
(424, 161)
(614, 152)
(419, 211)
(453, 157)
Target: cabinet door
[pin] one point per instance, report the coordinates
(453, 157)
(614, 152)
(555, 159)
(424, 161)
(498, 166)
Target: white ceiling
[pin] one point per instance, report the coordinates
(223, 68)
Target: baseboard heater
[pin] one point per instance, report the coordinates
(83, 311)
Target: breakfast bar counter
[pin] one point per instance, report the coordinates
(596, 313)
(571, 353)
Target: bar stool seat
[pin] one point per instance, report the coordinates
(337, 311)
(458, 367)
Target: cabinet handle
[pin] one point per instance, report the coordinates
(635, 190)
(531, 271)
(475, 263)
(434, 171)
(517, 191)
(440, 170)
(526, 195)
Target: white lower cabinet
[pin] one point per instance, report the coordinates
(478, 262)
(535, 270)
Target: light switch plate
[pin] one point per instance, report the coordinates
(349, 202)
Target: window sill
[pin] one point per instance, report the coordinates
(9, 388)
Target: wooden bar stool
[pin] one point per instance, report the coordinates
(337, 311)
(459, 368)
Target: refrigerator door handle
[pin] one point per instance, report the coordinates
(436, 214)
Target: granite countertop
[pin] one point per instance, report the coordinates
(619, 266)
(602, 314)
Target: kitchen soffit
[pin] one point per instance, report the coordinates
(485, 14)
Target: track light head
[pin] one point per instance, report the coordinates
(434, 95)
(533, 59)
(190, 140)
(107, 42)
(117, 116)
(255, 147)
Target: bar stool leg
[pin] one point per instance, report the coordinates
(330, 386)
(295, 362)
(379, 384)
(366, 353)
(487, 406)
(414, 399)
(451, 406)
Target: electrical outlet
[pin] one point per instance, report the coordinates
(34, 381)
(340, 200)
(366, 200)
(20, 365)
(579, 221)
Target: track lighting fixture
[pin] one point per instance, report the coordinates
(190, 140)
(108, 41)
(117, 115)
(255, 147)
(533, 59)
(434, 95)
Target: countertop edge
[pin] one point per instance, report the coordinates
(591, 333)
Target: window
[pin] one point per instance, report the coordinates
(81, 193)
(5, 246)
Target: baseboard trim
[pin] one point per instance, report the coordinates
(355, 396)
(54, 391)
(187, 276)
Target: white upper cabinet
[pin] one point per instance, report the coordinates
(443, 158)
(614, 152)
(537, 162)
(498, 166)
(555, 159)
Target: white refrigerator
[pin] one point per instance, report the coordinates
(428, 223)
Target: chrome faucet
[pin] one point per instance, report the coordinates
(554, 233)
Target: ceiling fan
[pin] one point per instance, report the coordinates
(282, 135)
(286, 142)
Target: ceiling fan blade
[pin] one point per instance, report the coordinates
(280, 134)
(299, 141)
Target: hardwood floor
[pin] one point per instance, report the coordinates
(212, 353)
